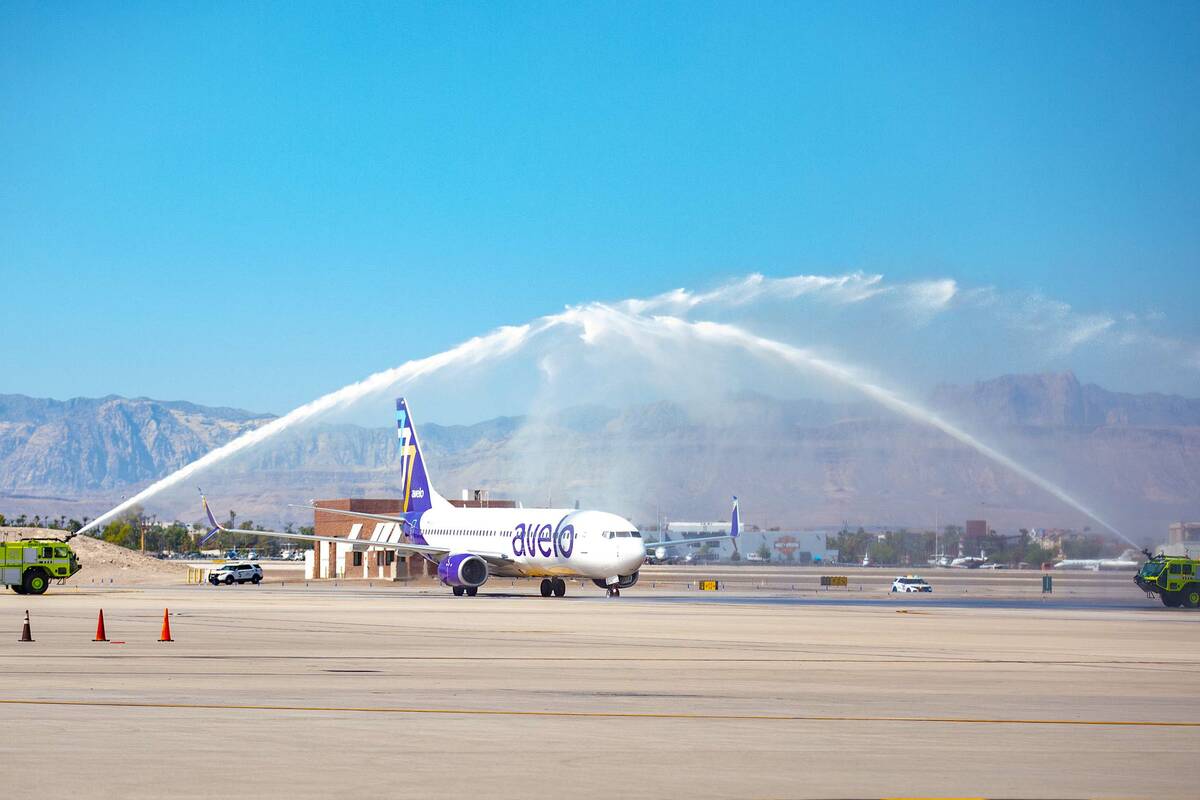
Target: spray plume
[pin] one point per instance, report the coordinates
(630, 322)
(496, 344)
(888, 398)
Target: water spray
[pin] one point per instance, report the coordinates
(890, 399)
(628, 321)
(497, 344)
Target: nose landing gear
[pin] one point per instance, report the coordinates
(613, 591)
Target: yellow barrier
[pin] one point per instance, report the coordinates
(708, 586)
(196, 575)
(835, 580)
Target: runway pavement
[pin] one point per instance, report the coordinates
(365, 689)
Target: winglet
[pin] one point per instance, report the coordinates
(734, 520)
(216, 527)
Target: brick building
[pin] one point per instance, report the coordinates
(337, 560)
(357, 558)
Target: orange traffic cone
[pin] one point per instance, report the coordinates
(26, 633)
(100, 636)
(165, 636)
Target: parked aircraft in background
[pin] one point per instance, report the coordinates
(469, 545)
(1128, 560)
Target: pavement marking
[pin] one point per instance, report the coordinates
(603, 658)
(492, 712)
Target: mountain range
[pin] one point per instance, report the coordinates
(1132, 459)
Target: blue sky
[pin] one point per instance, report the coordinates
(251, 205)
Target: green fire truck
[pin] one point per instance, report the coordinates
(1175, 579)
(28, 565)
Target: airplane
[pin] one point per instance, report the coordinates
(969, 562)
(1098, 564)
(470, 545)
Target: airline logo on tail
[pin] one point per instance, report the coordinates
(414, 481)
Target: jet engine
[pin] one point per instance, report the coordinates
(463, 569)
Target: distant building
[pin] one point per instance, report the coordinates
(799, 547)
(1055, 538)
(1187, 533)
(1183, 539)
(976, 529)
(481, 498)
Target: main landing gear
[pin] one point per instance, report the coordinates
(614, 591)
(469, 591)
(553, 586)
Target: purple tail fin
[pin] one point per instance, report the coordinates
(212, 521)
(417, 493)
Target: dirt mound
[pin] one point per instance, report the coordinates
(104, 562)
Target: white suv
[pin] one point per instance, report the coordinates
(911, 583)
(235, 573)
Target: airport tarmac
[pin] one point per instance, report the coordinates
(359, 689)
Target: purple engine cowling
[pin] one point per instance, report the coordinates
(462, 569)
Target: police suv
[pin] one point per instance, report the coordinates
(910, 583)
(235, 573)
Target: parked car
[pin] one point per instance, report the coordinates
(235, 573)
(910, 583)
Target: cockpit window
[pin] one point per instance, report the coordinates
(635, 534)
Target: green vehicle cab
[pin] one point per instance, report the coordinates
(1175, 579)
(28, 565)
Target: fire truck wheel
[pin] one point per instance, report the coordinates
(35, 582)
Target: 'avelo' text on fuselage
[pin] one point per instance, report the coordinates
(533, 540)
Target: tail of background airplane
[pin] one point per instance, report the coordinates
(417, 492)
(214, 528)
(735, 525)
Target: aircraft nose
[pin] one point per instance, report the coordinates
(636, 554)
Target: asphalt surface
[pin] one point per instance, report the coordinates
(310, 692)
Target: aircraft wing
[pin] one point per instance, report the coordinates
(435, 553)
(380, 517)
(678, 542)
(735, 528)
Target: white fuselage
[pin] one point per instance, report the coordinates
(1097, 564)
(538, 542)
